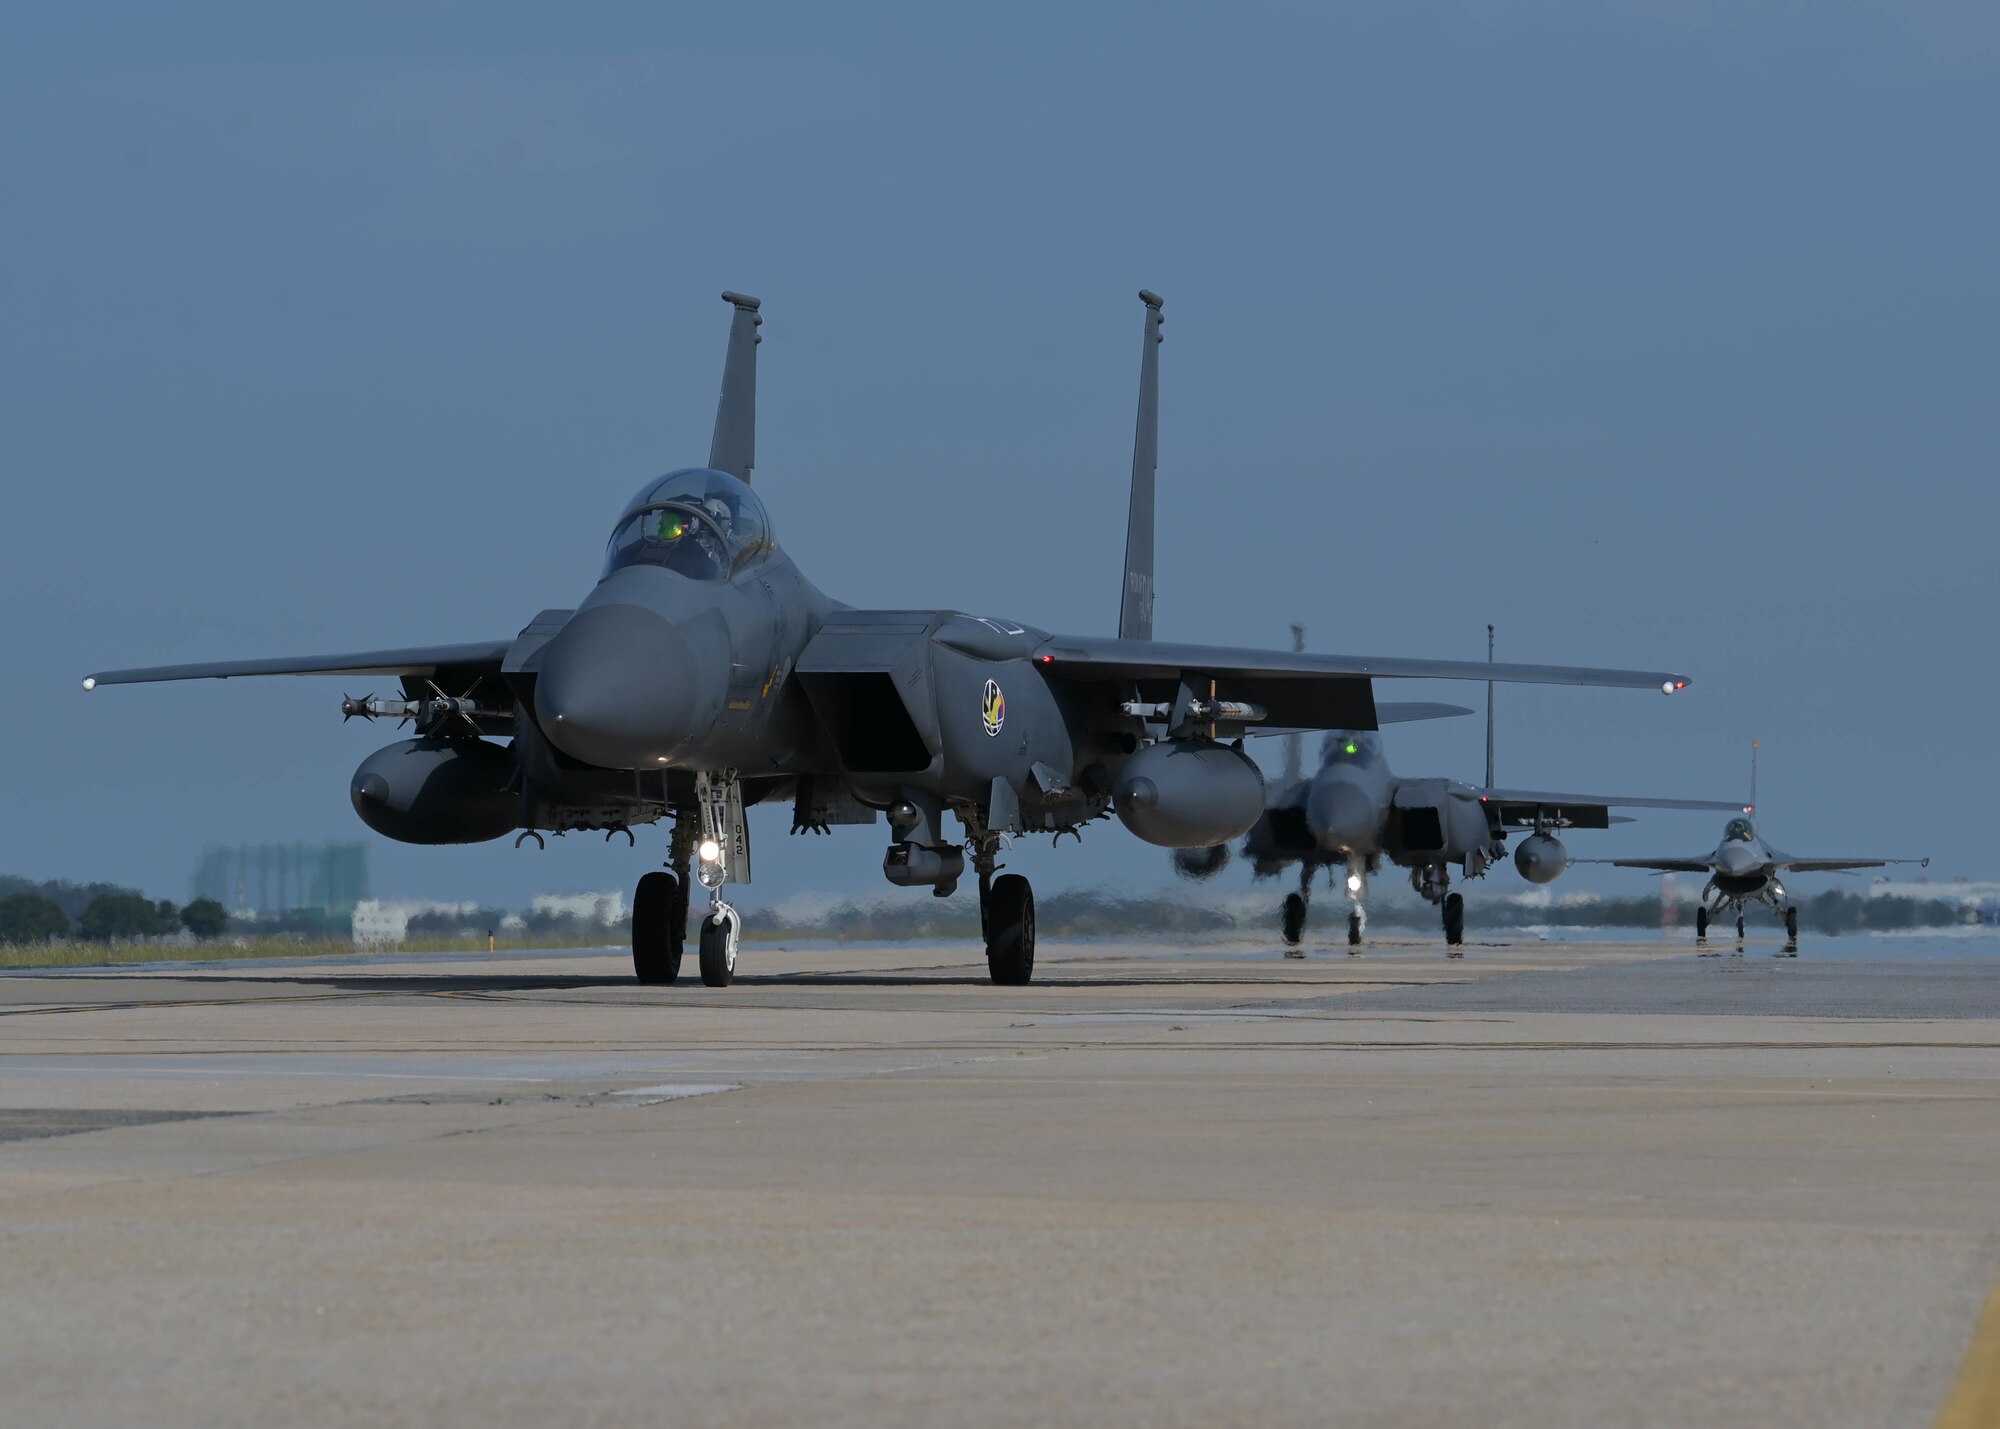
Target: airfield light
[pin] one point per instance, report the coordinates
(710, 851)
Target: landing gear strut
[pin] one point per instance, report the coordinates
(724, 842)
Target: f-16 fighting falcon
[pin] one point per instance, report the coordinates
(703, 673)
(1743, 869)
(1355, 812)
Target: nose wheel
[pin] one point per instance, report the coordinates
(720, 930)
(1353, 930)
(1454, 924)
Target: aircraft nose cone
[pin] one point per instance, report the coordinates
(1736, 859)
(617, 688)
(1342, 817)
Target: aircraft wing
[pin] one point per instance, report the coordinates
(479, 658)
(1657, 865)
(1838, 865)
(1520, 807)
(1306, 690)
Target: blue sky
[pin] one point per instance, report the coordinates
(1658, 334)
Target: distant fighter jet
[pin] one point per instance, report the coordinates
(1743, 869)
(703, 672)
(1355, 812)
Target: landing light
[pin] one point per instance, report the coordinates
(1353, 883)
(710, 851)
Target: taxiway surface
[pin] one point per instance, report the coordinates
(1551, 1185)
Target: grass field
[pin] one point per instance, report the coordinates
(91, 955)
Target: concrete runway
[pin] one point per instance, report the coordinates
(1548, 1185)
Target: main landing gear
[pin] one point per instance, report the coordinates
(660, 910)
(1454, 924)
(1292, 913)
(1007, 917)
(1433, 883)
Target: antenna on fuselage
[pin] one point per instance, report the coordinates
(1135, 605)
(1295, 743)
(1489, 711)
(1753, 777)
(734, 447)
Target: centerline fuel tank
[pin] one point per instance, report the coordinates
(1189, 793)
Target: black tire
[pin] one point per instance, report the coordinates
(718, 962)
(1792, 924)
(659, 929)
(1739, 927)
(1700, 924)
(1292, 919)
(1010, 931)
(1454, 919)
(1354, 930)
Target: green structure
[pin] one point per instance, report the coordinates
(268, 880)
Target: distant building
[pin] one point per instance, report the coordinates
(271, 880)
(382, 921)
(604, 908)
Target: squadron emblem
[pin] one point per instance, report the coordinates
(993, 709)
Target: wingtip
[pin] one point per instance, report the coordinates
(89, 682)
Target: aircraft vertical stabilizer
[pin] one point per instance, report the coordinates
(734, 446)
(1135, 607)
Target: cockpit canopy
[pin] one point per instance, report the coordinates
(1350, 746)
(1739, 831)
(704, 524)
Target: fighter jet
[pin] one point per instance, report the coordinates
(703, 672)
(1743, 869)
(1355, 812)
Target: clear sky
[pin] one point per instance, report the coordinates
(1659, 333)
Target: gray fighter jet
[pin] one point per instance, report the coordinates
(703, 672)
(1743, 869)
(1355, 812)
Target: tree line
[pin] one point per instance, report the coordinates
(99, 913)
